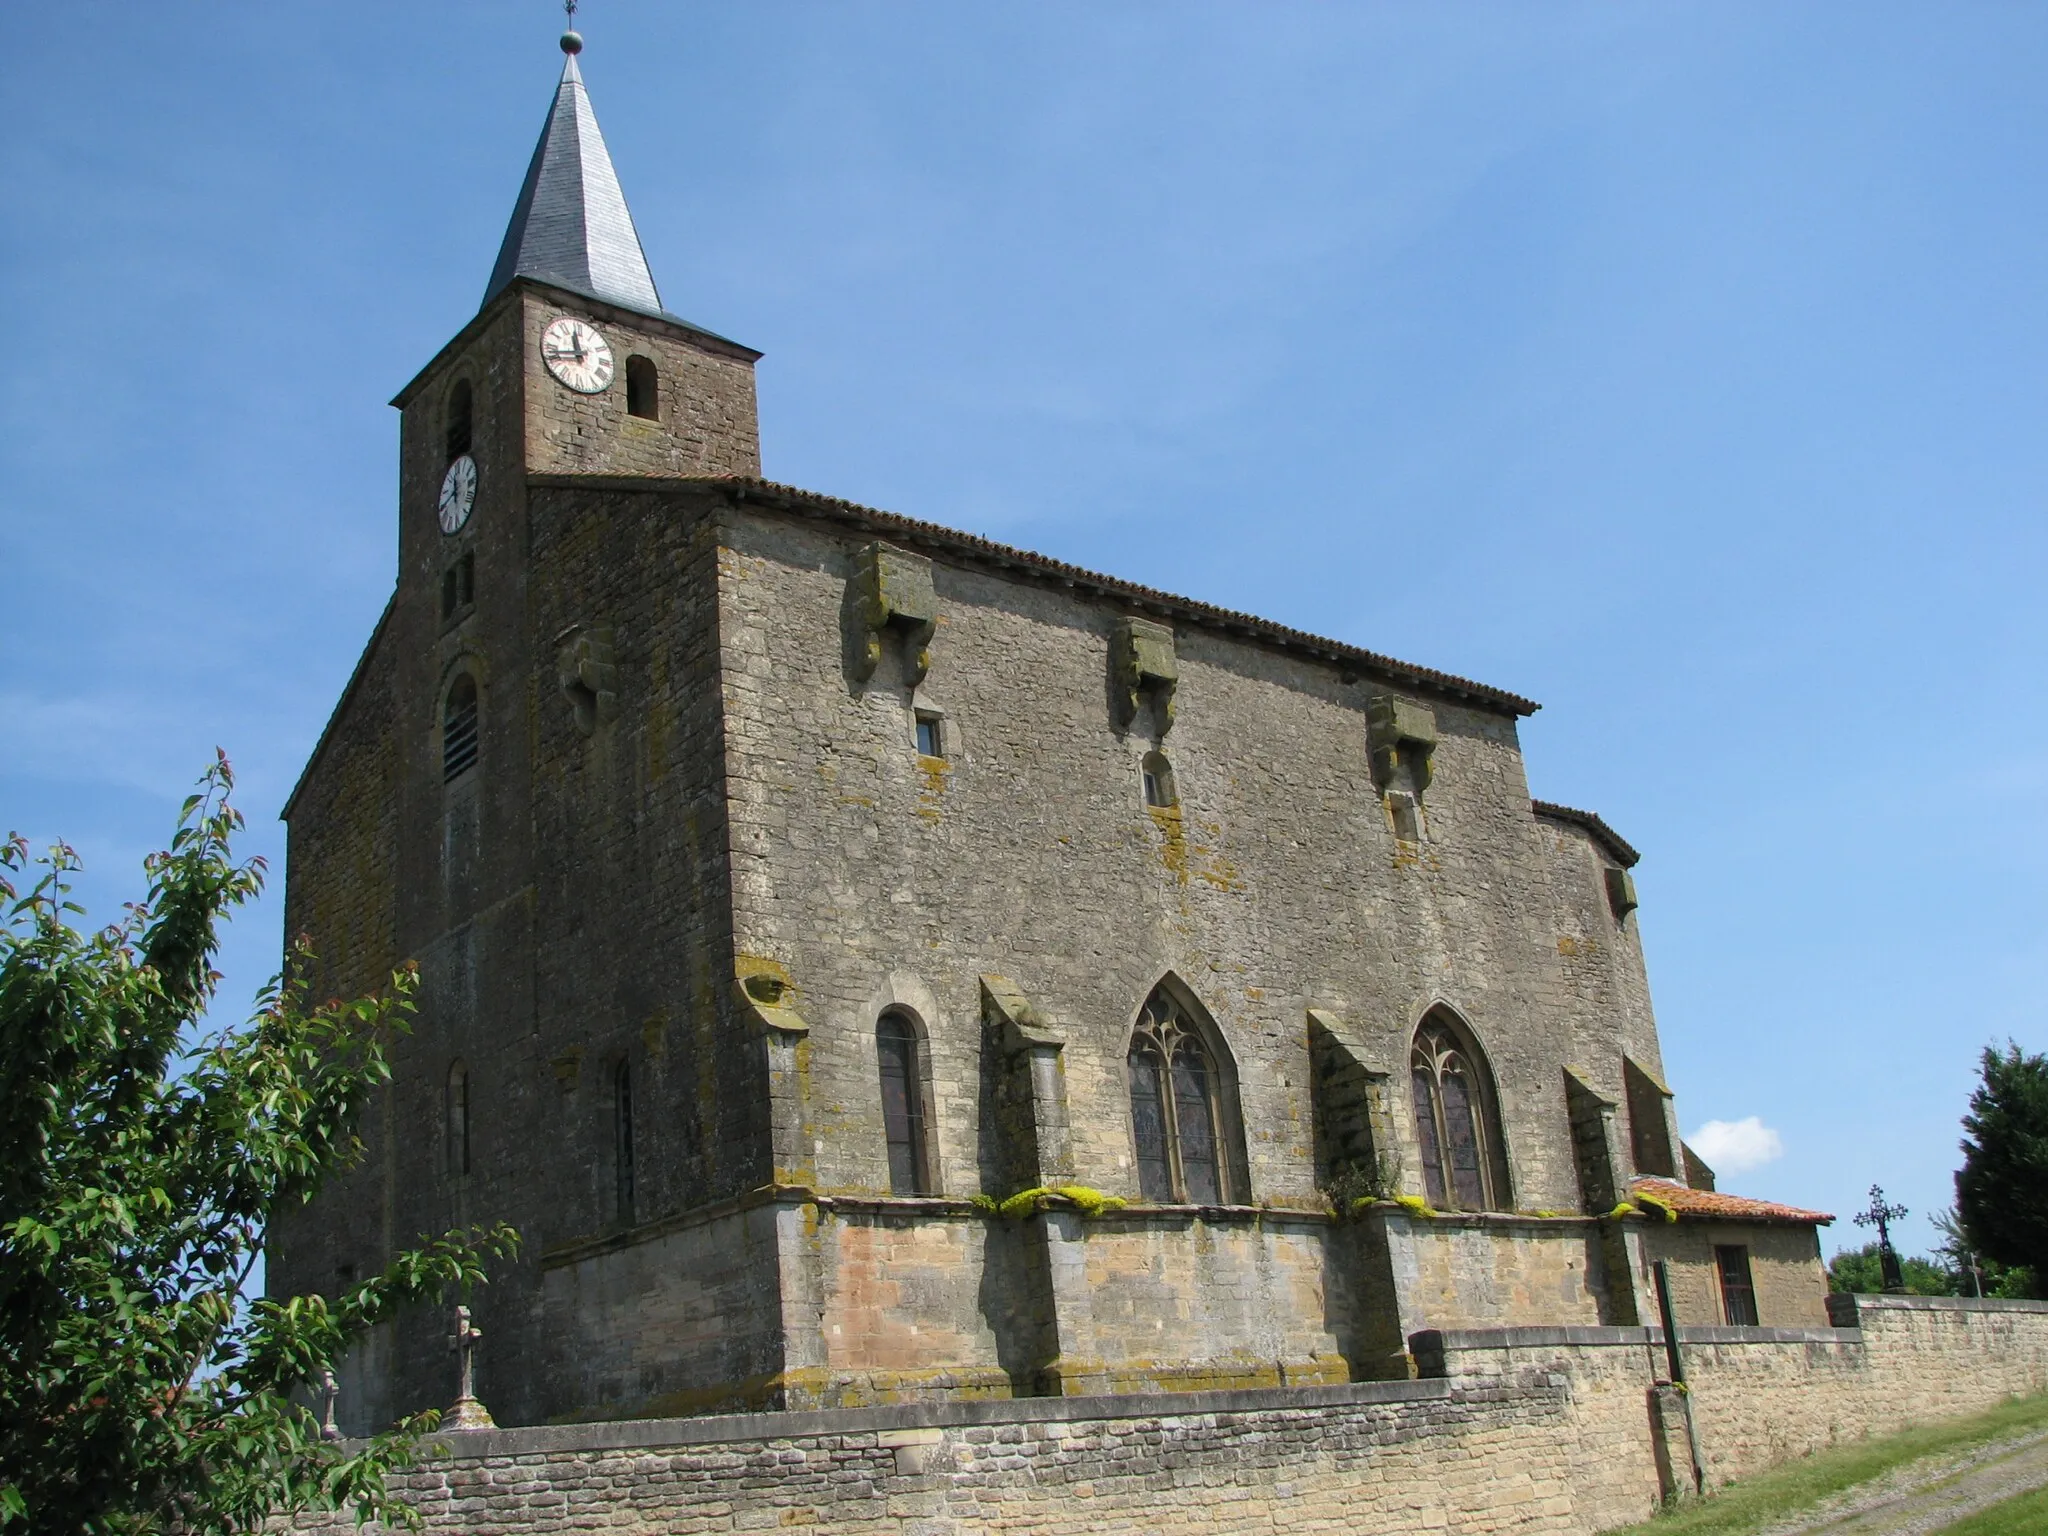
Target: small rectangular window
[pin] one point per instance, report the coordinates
(467, 580)
(1738, 1290)
(929, 742)
(448, 593)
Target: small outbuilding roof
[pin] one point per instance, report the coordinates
(1711, 1205)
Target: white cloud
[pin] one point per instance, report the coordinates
(1736, 1146)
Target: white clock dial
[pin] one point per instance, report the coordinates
(458, 494)
(577, 355)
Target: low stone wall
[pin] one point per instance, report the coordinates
(1524, 1430)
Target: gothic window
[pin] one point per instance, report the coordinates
(622, 1143)
(1179, 1114)
(902, 1105)
(461, 418)
(1738, 1290)
(458, 1120)
(643, 389)
(1464, 1166)
(1157, 775)
(459, 729)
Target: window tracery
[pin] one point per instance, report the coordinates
(1463, 1166)
(1177, 1109)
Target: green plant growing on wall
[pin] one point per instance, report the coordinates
(1654, 1206)
(1027, 1202)
(140, 1163)
(1358, 1185)
(1415, 1205)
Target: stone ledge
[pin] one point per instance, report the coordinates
(1440, 1341)
(896, 1418)
(1860, 1301)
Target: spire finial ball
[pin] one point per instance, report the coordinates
(572, 42)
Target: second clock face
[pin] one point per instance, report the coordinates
(577, 355)
(458, 494)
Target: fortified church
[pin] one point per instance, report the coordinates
(870, 964)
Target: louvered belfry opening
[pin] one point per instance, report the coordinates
(459, 729)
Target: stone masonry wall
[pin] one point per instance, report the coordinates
(1524, 1430)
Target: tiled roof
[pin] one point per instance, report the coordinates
(917, 531)
(1615, 843)
(1712, 1205)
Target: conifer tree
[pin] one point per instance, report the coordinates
(2002, 1187)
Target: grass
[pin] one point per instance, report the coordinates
(2026, 1515)
(1768, 1497)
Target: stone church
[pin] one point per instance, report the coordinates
(873, 964)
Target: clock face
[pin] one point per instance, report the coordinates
(577, 355)
(458, 494)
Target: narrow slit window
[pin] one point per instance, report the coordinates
(902, 1106)
(466, 580)
(1738, 1288)
(449, 600)
(461, 418)
(1157, 774)
(930, 741)
(458, 1120)
(622, 1143)
(459, 730)
(643, 389)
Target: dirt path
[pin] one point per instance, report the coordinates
(1922, 1497)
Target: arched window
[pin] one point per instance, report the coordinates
(643, 389)
(459, 729)
(458, 1120)
(622, 1142)
(1180, 1118)
(1157, 774)
(1464, 1166)
(461, 418)
(902, 1105)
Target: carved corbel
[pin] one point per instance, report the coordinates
(765, 994)
(1142, 661)
(588, 674)
(1401, 734)
(893, 594)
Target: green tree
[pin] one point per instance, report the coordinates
(141, 1390)
(2002, 1187)
(1859, 1269)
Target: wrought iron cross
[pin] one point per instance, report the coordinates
(1881, 1216)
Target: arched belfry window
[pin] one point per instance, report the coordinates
(1182, 1108)
(1464, 1165)
(459, 728)
(461, 418)
(643, 389)
(896, 1047)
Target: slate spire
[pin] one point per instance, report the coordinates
(571, 226)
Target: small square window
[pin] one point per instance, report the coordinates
(929, 742)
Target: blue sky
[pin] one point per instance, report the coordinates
(1681, 366)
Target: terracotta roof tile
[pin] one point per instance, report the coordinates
(1713, 1205)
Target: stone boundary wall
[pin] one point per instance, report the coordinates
(1523, 1430)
